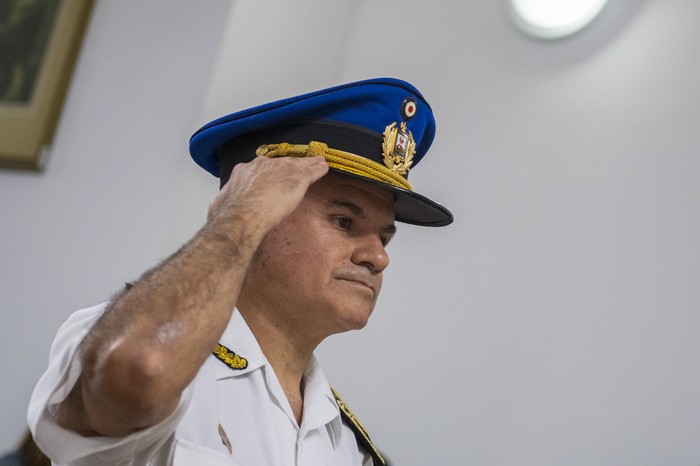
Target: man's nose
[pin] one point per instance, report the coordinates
(371, 253)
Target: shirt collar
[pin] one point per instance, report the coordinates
(239, 343)
(320, 407)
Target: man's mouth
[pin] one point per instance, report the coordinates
(359, 280)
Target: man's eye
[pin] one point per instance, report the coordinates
(342, 222)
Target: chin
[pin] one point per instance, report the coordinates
(355, 320)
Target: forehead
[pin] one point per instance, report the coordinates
(335, 186)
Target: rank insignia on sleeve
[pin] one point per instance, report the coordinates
(228, 357)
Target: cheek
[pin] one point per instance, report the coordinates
(287, 252)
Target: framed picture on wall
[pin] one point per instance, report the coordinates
(39, 43)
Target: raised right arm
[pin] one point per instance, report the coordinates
(153, 338)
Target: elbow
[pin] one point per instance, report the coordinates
(126, 389)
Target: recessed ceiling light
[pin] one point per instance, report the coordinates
(554, 19)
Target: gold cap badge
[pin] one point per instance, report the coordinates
(398, 148)
(398, 145)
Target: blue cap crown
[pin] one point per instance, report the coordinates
(375, 129)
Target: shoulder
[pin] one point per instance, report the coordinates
(363, 438)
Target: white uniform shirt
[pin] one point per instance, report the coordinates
(226, 417)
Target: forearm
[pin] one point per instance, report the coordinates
(152, 340)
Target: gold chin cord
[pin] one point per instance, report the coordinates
(338, 159)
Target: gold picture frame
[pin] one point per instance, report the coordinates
(39, 44)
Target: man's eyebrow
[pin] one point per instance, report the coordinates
(351, 206)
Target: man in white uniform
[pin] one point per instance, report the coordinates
(207, 359)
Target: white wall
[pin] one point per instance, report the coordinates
(557, 322)
(102, 212)
(554, 323)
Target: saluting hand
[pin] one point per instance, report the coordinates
(265, 191)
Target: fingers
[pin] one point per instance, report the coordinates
(304, 170)
(317, 166)
(266, 190)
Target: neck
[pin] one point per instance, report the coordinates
(286, 349)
